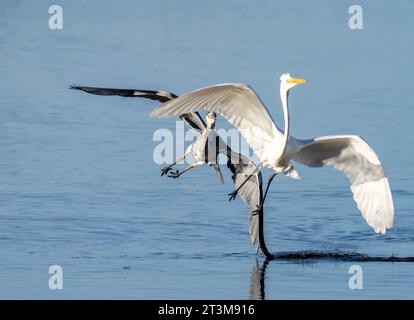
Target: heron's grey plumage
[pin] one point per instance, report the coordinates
(239, 165)
(250, 192)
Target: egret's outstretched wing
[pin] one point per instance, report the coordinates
(355, 158)
(250, 193)
(238, 103)
(192, 119)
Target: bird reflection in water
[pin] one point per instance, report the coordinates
(257, 281)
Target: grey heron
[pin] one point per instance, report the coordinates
(205, 150)
(249, 189)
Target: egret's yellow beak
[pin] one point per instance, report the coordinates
(296, 80)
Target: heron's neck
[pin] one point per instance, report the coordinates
(209, 128)
(284, 99)
(211, 125)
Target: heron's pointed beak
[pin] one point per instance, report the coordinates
(297, 80)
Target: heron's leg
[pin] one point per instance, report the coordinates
(234, 193)
(264, 197)
(175, 175)
(167, 169)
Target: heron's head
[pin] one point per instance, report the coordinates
(211, 119)
(287, 82)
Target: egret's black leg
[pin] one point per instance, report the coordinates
(234, 193)
(264, 197)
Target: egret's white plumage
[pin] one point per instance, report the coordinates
(238, 103)
(351, 155)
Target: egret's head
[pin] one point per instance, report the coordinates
(211, 119)
(287, 82)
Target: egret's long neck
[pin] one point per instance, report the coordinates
(284, 99)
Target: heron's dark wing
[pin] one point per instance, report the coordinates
(161, 96)
(192, 120)
(250, 193)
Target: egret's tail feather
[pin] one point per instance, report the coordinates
(293, 173)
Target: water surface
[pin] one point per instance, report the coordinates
(79, 187)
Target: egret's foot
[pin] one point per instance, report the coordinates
(257, 211)
(165, 170)
(174, 175)
(232, 195)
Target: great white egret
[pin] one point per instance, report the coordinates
(349, 154)
(250, 191)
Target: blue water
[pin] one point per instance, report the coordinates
(79, 188)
